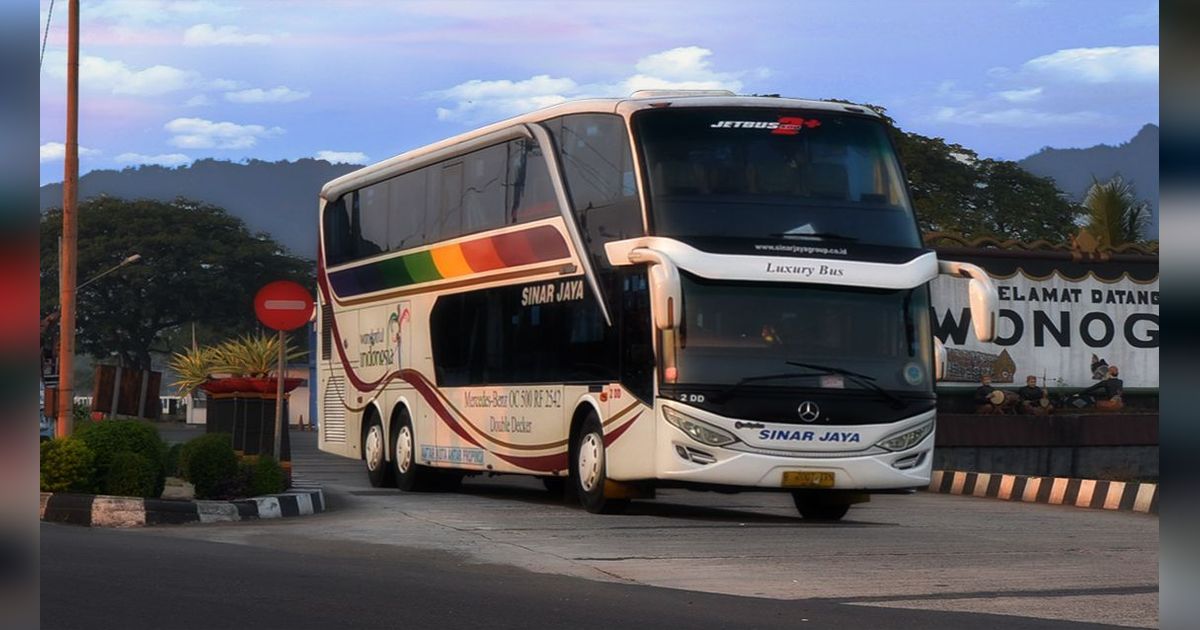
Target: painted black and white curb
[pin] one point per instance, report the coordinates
(105, 511)
(1086, 493)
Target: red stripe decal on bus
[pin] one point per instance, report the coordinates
(515, 248)
(541, 463)
(547, 243)
(616, 433)
(481, 255)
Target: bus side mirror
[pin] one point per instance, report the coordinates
(983, 309)
(982, 296)
(666, 293)
(939, 360)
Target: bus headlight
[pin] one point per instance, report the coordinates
(698, 430)
(908, 439)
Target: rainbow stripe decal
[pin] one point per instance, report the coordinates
(512, 249)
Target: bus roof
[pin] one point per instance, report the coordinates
(641, 100)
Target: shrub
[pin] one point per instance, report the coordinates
(107, 438)
(267, 477)
(132, 475)
(210, 464)
(68, 465)
(197, 443)
(171, 461)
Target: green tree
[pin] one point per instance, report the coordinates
(1115, 216)
(199, 265)
(1012, 203)
(954, 190)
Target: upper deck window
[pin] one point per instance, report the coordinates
(500, 185)
(597, 165)
(773, 174)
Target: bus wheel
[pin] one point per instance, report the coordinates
(818, 506)
(410, 476)
(374, 446)
(588, 469)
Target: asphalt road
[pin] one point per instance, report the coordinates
(502, 553)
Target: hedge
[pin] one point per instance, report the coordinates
(267, 477)
(210, 464)
(107, 438)
(67, 465)
(132, 475)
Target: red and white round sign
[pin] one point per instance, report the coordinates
(283, 305)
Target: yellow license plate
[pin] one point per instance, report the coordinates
(807, 479)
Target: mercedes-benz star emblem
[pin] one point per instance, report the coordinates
(809, 411)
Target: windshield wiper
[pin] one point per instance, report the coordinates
(861, 379)
(824, 236)
(724, 395)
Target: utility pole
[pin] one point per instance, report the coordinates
(66, 268)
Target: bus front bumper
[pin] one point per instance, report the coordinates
(684, 460)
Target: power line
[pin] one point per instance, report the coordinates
(46, 34)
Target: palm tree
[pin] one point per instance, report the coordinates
(1116, 216)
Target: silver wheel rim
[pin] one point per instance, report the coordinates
(591, 461)
(374, 447)
(404, 449)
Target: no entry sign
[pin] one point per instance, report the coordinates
(283, 305)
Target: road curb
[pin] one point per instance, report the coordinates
(1095, 494)
(92, 510)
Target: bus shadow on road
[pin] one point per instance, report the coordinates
(739, 516)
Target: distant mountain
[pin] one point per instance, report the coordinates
(1073, 169)
(279, 198)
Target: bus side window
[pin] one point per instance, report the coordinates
(530, 195)
(447, 216)
(369, 220)
(337, 232)
(483, 189)
(597, 164)
(406, 226)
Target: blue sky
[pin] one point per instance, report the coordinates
(168, 82)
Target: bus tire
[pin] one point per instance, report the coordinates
(379, 472)
(589, 470)
(814, 506)
(410, 476)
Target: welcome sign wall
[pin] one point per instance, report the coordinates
(1068, 328)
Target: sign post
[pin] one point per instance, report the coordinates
(282, 305)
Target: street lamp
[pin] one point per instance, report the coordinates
(129, 260)
(67, 351)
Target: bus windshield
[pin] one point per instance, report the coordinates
(761, 335)
(768, 174)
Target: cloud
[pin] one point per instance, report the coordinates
(1108, 64)
(1068, 87)
(478, 99)
(1015, 117)
(1021, 96)
(227, 35)
(223, 84)
(117, 77)
(164, 159)
(197, 133)
(198, 100)
(56, 151)
(281, 94)
(686, 67)
(343, 157)
(155, 11)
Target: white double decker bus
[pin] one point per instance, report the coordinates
(670, 290)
